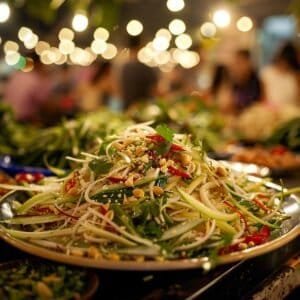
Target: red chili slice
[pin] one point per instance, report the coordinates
(158, 139)
(260, 237)
(29, 177)
(177, 172)
(260, 205)
(238, 212)
(279, 150)
(115, 179)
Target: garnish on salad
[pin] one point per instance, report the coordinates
(146, 194)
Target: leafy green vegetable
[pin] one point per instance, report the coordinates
(100, 166)
(166, 132)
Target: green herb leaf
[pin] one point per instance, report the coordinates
(100, 166)
(166, 132)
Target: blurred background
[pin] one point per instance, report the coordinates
(62, 57)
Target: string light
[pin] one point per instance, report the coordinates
(177, 27)
(66, 34)
(183, 41)
(222, 18)
(80, 22)
(66, 47)
(160, 43)
(41, 46)
(10, 46)
(4, 12)
(244, 24)
(165, 33)
(175, 5)
(12, 58)
(110, 52)
(98, 46)
(31, 42)
(24, 34)
(208, 29)
(134, 27)
(101, 34)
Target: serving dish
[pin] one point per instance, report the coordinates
(290, 230)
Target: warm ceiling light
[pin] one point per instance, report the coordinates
(208, 29)
(244, 24)
(4, 12)
(134, 27)
(221, 18)
(80, 22)
(175, 5)
(183, 41)
(177, 27)
(101, 34)
(66, 34)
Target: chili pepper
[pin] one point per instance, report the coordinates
(103, 210)
(238, 212)
(29, 177)
(115, 179)
(260, 237)
(260, 205)
(158, 139)
(177, 172)
(279, 150)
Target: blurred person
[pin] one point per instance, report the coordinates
(246, 85)
(281, 78)
(27, 92)
(98, 91)
(137, 81)
(221, 89)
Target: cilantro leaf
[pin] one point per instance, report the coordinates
(166, 132)
(100, 166)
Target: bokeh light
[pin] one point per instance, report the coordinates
(110, 52)
(183, 41)
(24, 34)
(4, 12)
(244, 24)
(10, 46)
(160, 43)
(66, 34)
(208, 29)
(41, 46)
(177, 26)
(175, 5)
(134, 27)
(101, 34)
(80, 22)
(222, 18)
(98, 46)
(66, 47)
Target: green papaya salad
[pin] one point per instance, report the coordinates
(146, 194)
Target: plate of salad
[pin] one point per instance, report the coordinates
(149, 199)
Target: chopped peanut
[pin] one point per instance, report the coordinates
(43, 290)
(185, 159)
(113, 256)
(243, 246)
(251, 244)
(77, 252)
(162, 162)
(221, 171)
(129, 181)
(139, 150)
(138, 193)
(93, 252)
(157, 190)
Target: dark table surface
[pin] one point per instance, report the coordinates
(235, 281)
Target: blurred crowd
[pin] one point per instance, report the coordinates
(46, 94)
